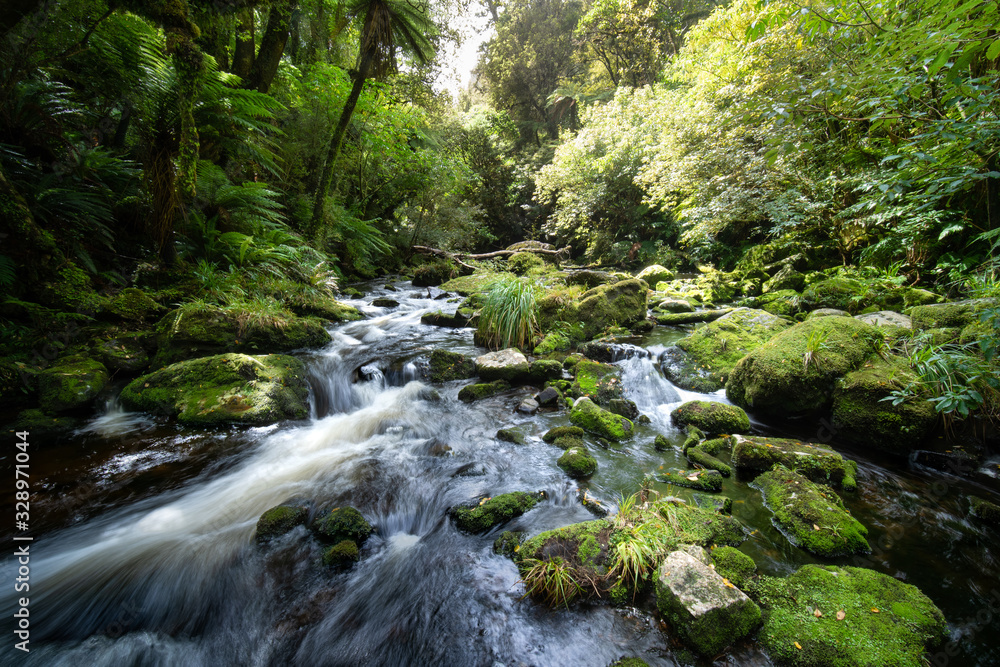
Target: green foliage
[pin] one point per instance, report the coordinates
(509, 316)
(551, 580)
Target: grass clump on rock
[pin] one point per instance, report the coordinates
(509, 316)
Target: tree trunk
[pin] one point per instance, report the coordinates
(272, 46)
(244, 51)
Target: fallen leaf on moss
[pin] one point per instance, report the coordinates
(841, 615)
(798, 646)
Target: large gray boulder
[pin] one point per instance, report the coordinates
(707, 610)
(510, 365)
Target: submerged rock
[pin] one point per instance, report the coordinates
(72, 383)
(702, 458)
(845, 617)
(511, 435)
(816, 462)
(703, 480)
(985, 511)
(577, 462)
(795, 372)
(459, 319)
(384, 302)
(475, 392)
(709, 612)
(811, 516)
(712, 417)
(279, 520)
(706, 357)
(224, 388)
(343, 554)
(492, 512)
(342, 523)
(600, 422)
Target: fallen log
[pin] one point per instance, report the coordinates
(457, 257)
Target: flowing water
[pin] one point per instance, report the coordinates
(144, 551)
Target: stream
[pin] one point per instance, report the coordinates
(143, 550)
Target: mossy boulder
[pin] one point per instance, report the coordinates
(71, 384)
(954, 314)
(787, 278)
(39, 423)
(512, 435)
(795, 372)
(553, 341)
(522, 263)
(711, 417)
(577, 462)
(226, 388)
(655, 274)
(862, 416)
(703, 459)
(708, 355)
(541, 371)
(837, 292)
(124, 353)
(562, 431)
(734, 565)
(702, 480)
(598, 381)
(620, 304)
(509, 365)
(279, 520)
(783, 303)
(134, 305)
(479, 391)
(324, 308)
(342, 523)
(985, 511)
(811, 516)
(509, 543)
(492, 512)
(190, 332)
(342, 555)
(437, 318)
(660, 443)
(817, 462)
(712, 502)
(709, 612)
(433, 273)
(594, 419)
(569, 441)
(71, 291)
(677, 319)
(447, 366)
(864, 618)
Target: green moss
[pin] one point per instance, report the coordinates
(493, 511)
(74, 382)
(553, 342)
(123, 352)
(703, 480)
(434, 273)
(568, 441)
(509, 543)
(713, 503)
(39, 423)
(439, 319)
(812, 516)
(861, 416)
(511, 435)
(542, 370)
(783, 303)
(475, 392)
(472, 284)
(577, 463)
(447, 366)
(72, 291)
(279, 520)
(224, 388)
(620, 304)
(629, 662)
(600, 382)
(693, 436)
(985, 511)
(660, 443)
(677, 319)
(838, 292)
(342, 523)
(521, 263)
(956, 314)
(775, 378)
(886, 623)
(734, 565)
(324, 308)
(562, 431)
(700, 457)
(583, 547)
(716, 445)
(712, 351)
(600, 422)
(711, 417)
(816, 462)
(342, 554)
(134, 304)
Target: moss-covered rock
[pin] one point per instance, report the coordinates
(787, 278)
(134, 305)
(712, 502)
(865, 618)
(123, 353)
(837, 292)
(324, 308)
(712, 417)
(434, 273)
(601, 422)
(862, 416)
(72, 383)
(620, 304)
(39, 423)
(985, 511)
(734, 565)
(71, 290)
(693, 436)
(708, 611)
(954, 314)
(708, 355)
(577, 462)
(562, 431)
(512, 435)
(700, 457)
(598, 381)
(655, 274)
(342, 555)
(509, 543)
(447, 366)
(795, 372)
(660, 443)
(491, 512)
(279, 520)
(190, 332)
(811, 516)
(677, 319)
(553, 341)
(702, 480)
(436, 318)
(475, 392)
(817, 462)
(522, 263)
(509, 365)
(541, 371)
(342, 523)
(224, 388)
(782, 303)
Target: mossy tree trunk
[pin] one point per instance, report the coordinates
(272, 46)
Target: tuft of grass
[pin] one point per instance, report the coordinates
(815, 343)
(551, 580)
(509, 316)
